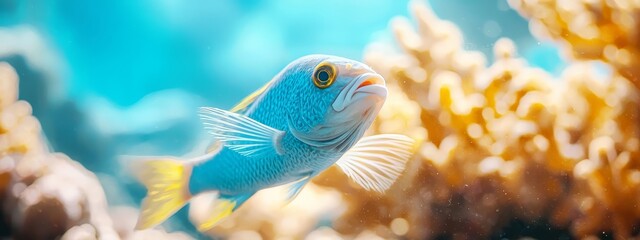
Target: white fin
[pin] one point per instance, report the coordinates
(296, 188)
(241, 133)
(375, 162)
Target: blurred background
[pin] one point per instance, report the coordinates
(112, 78)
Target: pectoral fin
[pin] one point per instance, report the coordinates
(375, 162)
(241, 133)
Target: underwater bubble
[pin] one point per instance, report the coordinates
(491, 29)
(400, 226)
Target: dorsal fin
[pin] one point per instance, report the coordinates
(247, 101)
(240, 108)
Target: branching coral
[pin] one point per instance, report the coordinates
(507, 142)
(607, 30)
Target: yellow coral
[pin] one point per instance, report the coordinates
(593, 29)
(19, 131)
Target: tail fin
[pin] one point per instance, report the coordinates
(167, 190)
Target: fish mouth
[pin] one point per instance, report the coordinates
(366, 86)
(372, 84)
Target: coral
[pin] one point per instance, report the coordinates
(46, 195)
(34, 204)
(607, 30)
(502, 144)
(508, 142)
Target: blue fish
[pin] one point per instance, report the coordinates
(311, 115)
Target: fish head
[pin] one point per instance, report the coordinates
(337, 101)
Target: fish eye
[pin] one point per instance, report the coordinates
(324, 75)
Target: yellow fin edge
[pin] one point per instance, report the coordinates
(166, 182)
(249, 99)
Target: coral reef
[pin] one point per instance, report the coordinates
(607, 30)
(46, 195)
(505, 144)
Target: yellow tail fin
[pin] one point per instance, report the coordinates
(166, 181)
